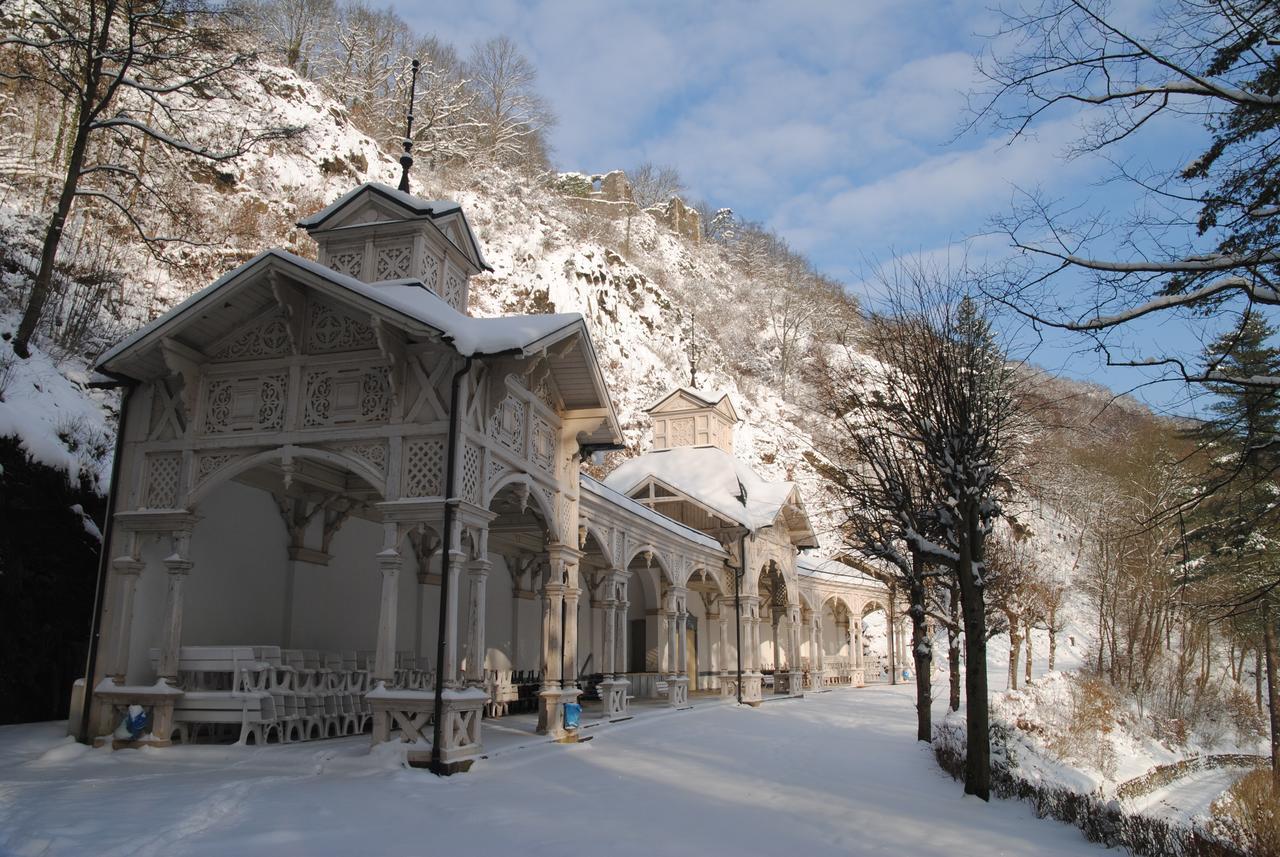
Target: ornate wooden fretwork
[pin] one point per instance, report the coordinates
(506, 426)
(253, 403)
(211, 463)
(330, 329)
(267, 338)
(374, 452)
(393, 262)
(542, 443)
(430, 273)
(348, 262)
(453, 292)
(346, 396)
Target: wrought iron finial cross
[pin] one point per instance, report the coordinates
(406, 159)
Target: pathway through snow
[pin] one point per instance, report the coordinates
(834, 773)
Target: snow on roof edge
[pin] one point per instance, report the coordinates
(469, 336)
(598, 488)
(415, 204)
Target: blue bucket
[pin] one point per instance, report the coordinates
(572, 714)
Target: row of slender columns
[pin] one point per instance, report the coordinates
(128, 568)
(615, 623)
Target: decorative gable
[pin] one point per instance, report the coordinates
(685, 418)
(377, 234)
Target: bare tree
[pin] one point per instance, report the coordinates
(1011, 577)
(952, 397)
(884, 493)
(654, 184)
(445, 126)
(1203, 241)
(512, 114)
(137, 74)
(301, 29)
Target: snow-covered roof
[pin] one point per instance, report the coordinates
(714, 478)
(406, 303)
(598, 488)
(416, 204)
(706, 398)
(413, 206)
(825, 568)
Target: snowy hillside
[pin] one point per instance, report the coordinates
(632, 278)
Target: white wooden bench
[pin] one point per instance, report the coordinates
(224, 685)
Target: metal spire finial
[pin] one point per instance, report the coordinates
(406, 160)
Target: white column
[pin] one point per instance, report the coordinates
(793, 659)
(571, 595)
(682, 637)
(717, 646)
(673, 666)
(775, 629)
(623, 628)
(609, 645)
(515, 628)
(727, 664)
(384, 662)
(552, 599)
(476, 644)
(178, 567)
(449, 669)
(127, 570)
(663, 640)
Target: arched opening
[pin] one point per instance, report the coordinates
(874, 626)
(647, 645)
(774, 656)
(273, 604)
(594, 568)
(705, 635)
(517, 550)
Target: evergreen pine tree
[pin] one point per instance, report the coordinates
(1237, 521)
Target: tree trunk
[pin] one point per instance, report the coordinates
(1027, 637)
(977, 764)
(890, 642)
(922, 651)
(1015, 649)
(953, 649)
(1273, 692)
(1257, 677)
(90, 84)
(1053, 636)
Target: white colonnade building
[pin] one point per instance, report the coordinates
(332, 477)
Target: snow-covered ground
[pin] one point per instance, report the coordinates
(834, 773)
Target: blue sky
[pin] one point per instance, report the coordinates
(833, 122)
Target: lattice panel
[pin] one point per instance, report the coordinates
(393, 262)
(424, 468)
(350, 263)
(348, 396)
(471, 474)
(455, 293)
(254, 403)
(330, 329)
(430, 273)
(506, 426)
(542, 443)
(162, 481)
(267, 338)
